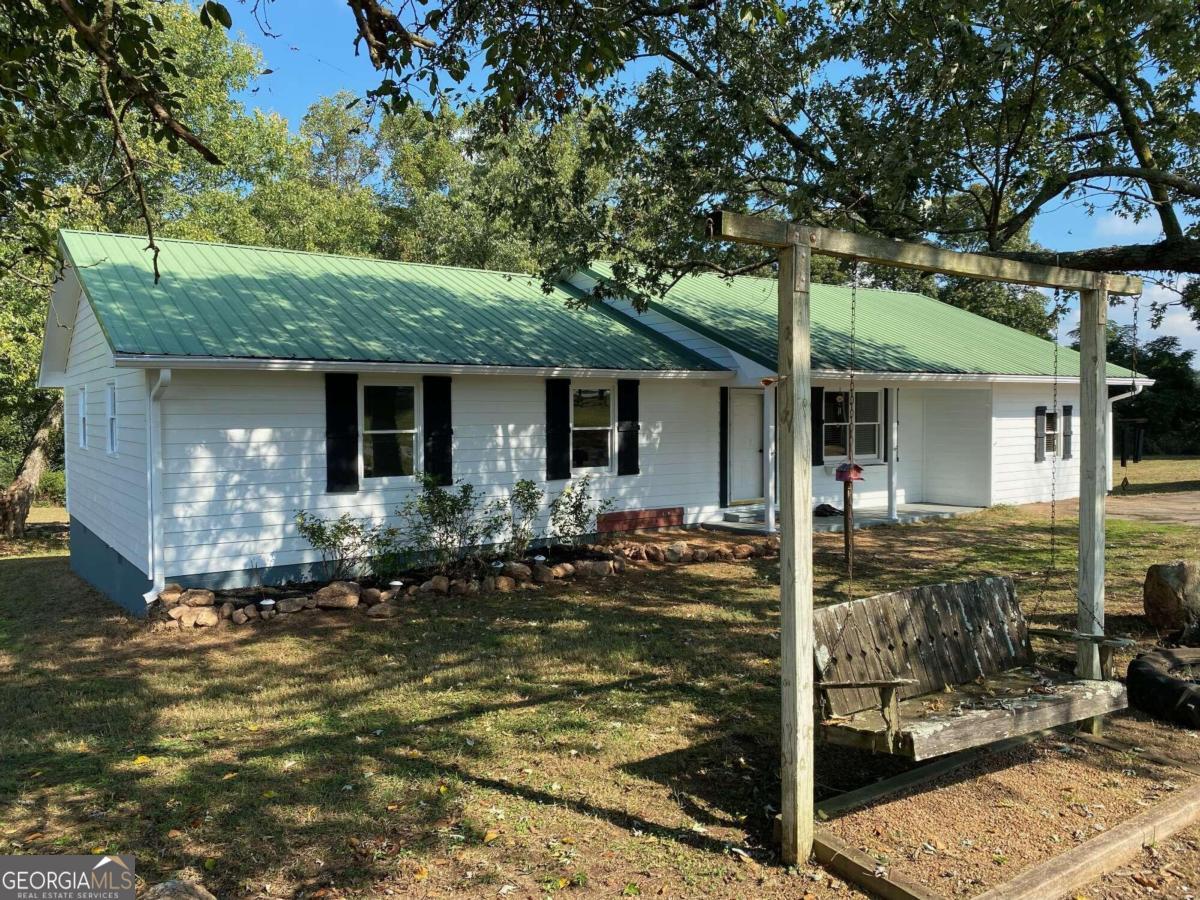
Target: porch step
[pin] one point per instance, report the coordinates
(745, 514)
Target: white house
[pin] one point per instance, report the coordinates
(203, 411)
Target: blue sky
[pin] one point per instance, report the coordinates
(313, 56)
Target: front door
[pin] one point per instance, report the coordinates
(746, 446)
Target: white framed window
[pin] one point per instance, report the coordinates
(593, 412)
(389, 445)
(82, 399)
(868, 428)
(1052, 442)
(110, 418)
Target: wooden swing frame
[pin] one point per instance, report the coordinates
(795, 245)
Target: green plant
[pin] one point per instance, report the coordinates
(348, 546)
(52, 487)
(573, 512)
(448, 526)
(519, 510)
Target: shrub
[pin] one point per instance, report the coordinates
(448, 526)
(573, 512)
(349, 547)
(519, 512)
(52, 488)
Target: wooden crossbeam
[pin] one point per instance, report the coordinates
(908, 255)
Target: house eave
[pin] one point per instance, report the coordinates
(153, 361)
(965, 378)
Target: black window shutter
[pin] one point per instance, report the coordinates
(341, 432)
(885, 428)
(723, 449)
(1068, 432)
(1039, 434)
(439, 434)
(558, 428)
(628, 426)
(818, 426)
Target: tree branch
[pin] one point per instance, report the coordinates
(1172, 254)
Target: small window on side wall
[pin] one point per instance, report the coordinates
(110, 418)
(591, 428)
(389, 430)
(83, 425)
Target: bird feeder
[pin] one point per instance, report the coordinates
(849, 471)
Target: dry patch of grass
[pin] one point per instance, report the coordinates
(615, 738)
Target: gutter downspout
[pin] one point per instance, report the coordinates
(157, 571)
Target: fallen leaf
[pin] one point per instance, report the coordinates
(269, 795)
(229, 775)
(421, 874)
(491, 836)
(142, 761)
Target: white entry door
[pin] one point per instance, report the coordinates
(746, 446)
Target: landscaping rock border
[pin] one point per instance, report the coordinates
(199, 608)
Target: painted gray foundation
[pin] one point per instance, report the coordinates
(107, 570)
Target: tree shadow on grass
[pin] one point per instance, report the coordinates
(327, 748)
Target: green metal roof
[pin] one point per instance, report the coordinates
(222, 300)
(896, 331)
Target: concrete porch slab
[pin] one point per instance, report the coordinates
(750, 519)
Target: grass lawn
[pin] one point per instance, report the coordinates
(1157, 474)
(612, 739)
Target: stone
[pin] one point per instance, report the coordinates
(1171, 598)
(268, 614)
(177, 612)
(700, 554)
(206, 617)
(760, 548)
(178, 890)
(439, 584)
(458, 587)
(227, 609)
(487, 584)
(518, 571)
(310, 602)
(371, 596)
(170, 594)
(743, 551)
(594, 568)
(772, 543)
(678, 552)
(618, 564)
(290, 604)
(543, 574)
(338, 595)
(251, 611)
(504, 584)
(196, 597)
(562, 570)
(635, 552)
(385, 610)
(654, 553)
(239, 617)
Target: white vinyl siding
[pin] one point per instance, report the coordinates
(243, 452)
(957, 425)
(1016, 478)
(106, 492)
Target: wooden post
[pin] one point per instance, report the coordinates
(795, 551)
(1093, 474)
(892, 437)
(848, 526)
(768, 458)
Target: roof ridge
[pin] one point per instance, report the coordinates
(320, 253)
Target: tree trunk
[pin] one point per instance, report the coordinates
(18, 496)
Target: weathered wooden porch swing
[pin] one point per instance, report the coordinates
(874, 656)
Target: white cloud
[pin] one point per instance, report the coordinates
(1111, 227)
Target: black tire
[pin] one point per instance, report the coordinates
(1153, 688)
